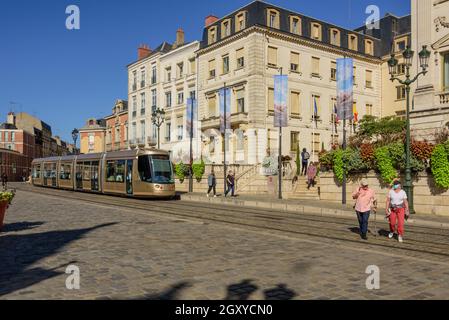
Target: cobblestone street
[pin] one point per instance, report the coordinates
(159, 250)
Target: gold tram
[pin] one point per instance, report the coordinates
(141, 173)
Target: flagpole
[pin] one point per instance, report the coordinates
(224, 138)
(313, 130)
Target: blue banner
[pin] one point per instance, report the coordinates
(280, 101)
(191, 116)
(345, 85)
(225, 102)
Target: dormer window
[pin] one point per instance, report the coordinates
(400, 44)
(273, 18)
(226, 28)
(316, 31)
(240, 21)
(369, 47)
(352, 42)
(335, 37)
(212, 35)
(295, 25)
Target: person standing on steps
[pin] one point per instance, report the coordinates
(230, 181)
(397, 210)
(305, 156)
(365, 201)
(212, 183)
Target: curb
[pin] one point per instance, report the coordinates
(298, 208)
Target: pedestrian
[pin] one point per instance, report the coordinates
(212, 183)
(305, 156)
(4, 181)
(365, 202)
(397, 210)
(230, 181)
(311, 174)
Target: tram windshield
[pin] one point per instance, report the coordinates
(155, 169)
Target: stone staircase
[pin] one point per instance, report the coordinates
(300, 191)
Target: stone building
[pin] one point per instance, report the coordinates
(93, 136)
(117, 127)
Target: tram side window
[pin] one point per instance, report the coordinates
(37, 172)
(120, 171)
(86, 171)
(115, 171)
(144, 169)
(65, 172)
(110, 171)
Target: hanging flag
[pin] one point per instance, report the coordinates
(337, 120)
(315, 111)
(225, 92)
(345, 84)
(191, 117)
(280, 101)
(356, 114)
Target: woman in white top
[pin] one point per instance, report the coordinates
(397, 210)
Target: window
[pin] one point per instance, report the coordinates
(168, 99)
(212, 35)
(192, 63)
(211, 144)
(226, 28)
(400, 93)
(168, 131)
(180, 97)
(272, 56)
(446, 72)
(180, 130)
(270, 100)
(332, 109)
(315, 31)
(225, 64)
(273, 18)
(240, 99)
(240, 145)
(143, 76)
(240, 21)
(168, 74)
(369, 79)
(153, 75)
(134, 103)
(13, 136)
(295, 103)
(352, 42)
(240, 56)
(401, 68)
(294, 141)
(333, 70)
(192, 94)
(315, 66)
(335, 37)
(117, 135)
(142, 101)
(143, 164)
(115, 171)
(65, 171)
(180, 67)
(369, 47)
(401, 44)
(316, 143)
(335, 139)
(295, 25)
(153, 99)
(212, 68)
(142, 131)
(316, 107)
(134, 131)
(212, 106)
(134, 80)
(294, 61)
(369, 109)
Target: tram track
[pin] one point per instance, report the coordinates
(329, 229)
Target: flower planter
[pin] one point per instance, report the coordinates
(3, 207)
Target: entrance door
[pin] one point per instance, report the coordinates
(94, 176)
(129, 177)
(79, 176)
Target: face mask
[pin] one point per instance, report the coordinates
(396, 187)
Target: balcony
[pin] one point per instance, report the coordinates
(214, 122)
(444, 97)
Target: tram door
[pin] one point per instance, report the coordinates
(45, 174)
(129, 176)
(79, 175)
(94, 176)
(53, 175)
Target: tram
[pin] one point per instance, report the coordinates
(140, 173)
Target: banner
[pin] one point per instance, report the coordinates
(280, 101)
(225, 92)
(191, 104)
(345, 84)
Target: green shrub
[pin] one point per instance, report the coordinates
(181, 170)
(199, 169)
(338, 164)
(440, 166)
(354, 161)
(6, 196)
(385, 164)
(326, 159)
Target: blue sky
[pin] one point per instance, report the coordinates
(65, 77)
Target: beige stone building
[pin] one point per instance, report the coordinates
(117, 127)
(93, 136)
(246, 48)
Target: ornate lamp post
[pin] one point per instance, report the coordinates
(75, 133)
(158, 118)
(408, 54)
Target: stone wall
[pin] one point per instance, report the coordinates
(427, 198)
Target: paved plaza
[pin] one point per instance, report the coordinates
(134, 249)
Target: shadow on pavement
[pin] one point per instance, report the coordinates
(170, 294)
(18, 252)
(280, 292)
(241, 291)
(20, 226)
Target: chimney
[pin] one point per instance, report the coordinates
(179, 38)
(210, 19)
(143, 51)
(11, 118)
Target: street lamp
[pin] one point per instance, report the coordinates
(158, 118)
(408, 54)
(75, 133)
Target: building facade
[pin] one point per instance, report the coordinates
(93, 136)
(15, 164)
(245, 49)
(117, 127)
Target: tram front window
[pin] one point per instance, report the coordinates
(155, 169)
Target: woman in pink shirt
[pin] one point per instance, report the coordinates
(365, 201)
